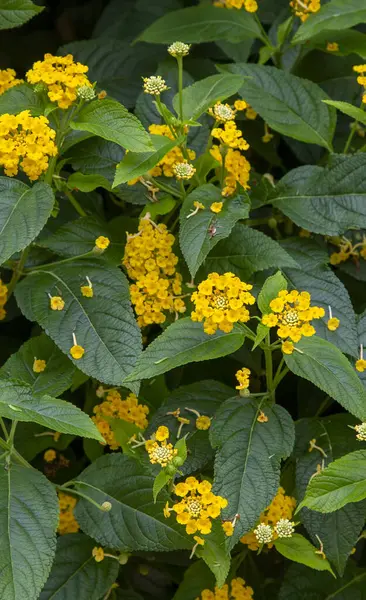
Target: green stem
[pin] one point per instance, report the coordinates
(12, 434)
(269, 364)
(166, 188)
(75, 203)
(67, 490)
(15, 453)
(165, 116)
(2, 425)
(18, 272)
(180, 87)
(351, 134)
(264, 37)
(59, 262)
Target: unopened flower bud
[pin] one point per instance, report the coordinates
(85, 92)
(184, 170)
(154, 85)
(106, 506)
(178, 461)
(179, 49)
(263, 533)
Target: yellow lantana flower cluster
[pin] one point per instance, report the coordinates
(163, 453)
(220, 302)
(61, 76)
(361, 79)
(305, 8)
(249, 5)
(128, 410)
(149, 261)
(237, 590)
(229, 135)
(28, 141)
(347, 249)
(243, 378)
(67, 522)
(3, 299)
(292, 314)
(8, 80)
(281, 507)
(198, 505)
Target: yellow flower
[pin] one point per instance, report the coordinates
(67, 521)
(229, 135)
(87, 291)
(198, 506)
(26, 142)
(287, 347)
(38, 365)
(251, 114)
(8, 80)
(220, 301)
(240, 105)
(304, 8)
(128, 410)
(57, 303)
(243, 378)
(162, 433)
(203, 422)
(251, 6)
(77, 351)
(199, 540)
(216, 207)
(333, 323)
(262, 417)
(164, 453)
(237, 167)
(332, 47)
(228, 528)
(98, 554)
(50, 455)
(181, 489)
(102, 242)
(237, 591)
(361, 365)
(61, 76)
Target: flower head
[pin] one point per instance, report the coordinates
(163, 453)
(179, 49)
(228, 528)
(50, 455)
(284, 528)
(361, 432)
(229, 135)
(38, 365)
(222, 112)
(184, 170)
(333, 323)
(57, 303)
(102, 242)
(98, 554)
(203, 422)
(67, 521)
(162, 433)
(8, 80)
(154, 85)
(243, 378)
(220, 301)
(85, 92)
(87, 290)
(263, 533)
(166, 165)
(236, 590)
(128, 410)
(216, 207)
(361, 365)
(77, 351)
(304, 8)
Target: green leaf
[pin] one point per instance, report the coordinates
(215, 554)
(18, 402)
(29, 442)
(87, 183)
(290, 105)
(201, 24)
(54, 380)
(23, 213)
(162, 207)
(337, 14)
(246, 251)
(195, 237)
(123, 431)
(197, 578)
(198, 97)
(271, 287)
(308, 253)
(21, 97)
(135, 164)
(181, 343)
(135, 522)
(28, 521)
(103, 325)
(160, 482)
(299, 582)
(326, 367)
(75, 574)
(299, 549)
(111, 121)
(343, 481)
(348, 109)
(326, 200)
(350, 41)
(14, 13)
(261, 333)
(247, 465)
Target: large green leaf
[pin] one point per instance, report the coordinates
(195, 235)
(199, 96)
(18, 402)
(247, 464)
(290, 105)
(196, 578)
(75, 574)
(326, 200)
(104, 325)
(215, 554)
(337, 14)
(111, 121)
(21, 97)
(343, 481)
(30, 440)
(299, 549)
(246, 251)
(302, 583)
(184, 342)
(134, 523)
(348, 109)
(28, 521)
(271, 287)
(23, 213)
(14, 13)
(323, 364)
(350, 41)
(57, 376)
(201, 24)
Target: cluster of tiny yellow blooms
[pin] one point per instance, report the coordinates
(8, 80)
(220, 302)
(237, 590)
(113, 406)
(348, 250)
(163, 453)
(67, 522)
(292, 314)
(281, 507)
(243, 378)
(3, 299)
(27, 141)
(249, 5)
(62, 77)
(305, 8)
(361, 79)
(39, 365)
(150, 262)
(198, 506)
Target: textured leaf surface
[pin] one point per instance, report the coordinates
(184, 342)
(215, 554)
(324, 365)
(55, 379)
(337, 14)
(326, 200)
(195, 238)
(21, 97)
(104, 325)
(274, 284)
(348, 109)
(14, 13)
(135, 522)
(23, 213)
(28, 521)
(17, 402)
(290, 105)
(75, 574)
(300, 582)
(246, 251)
(111, 121)
(201, 24)
(299, 549)
(247, 464)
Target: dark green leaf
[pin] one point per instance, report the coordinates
(302, 583)
(87, 183)
(348, 109)
(215, 554)
(21, 97)
(160, 482)
(14, 13)
(337, 14)
(196, 578)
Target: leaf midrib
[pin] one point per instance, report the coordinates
(74, 573)
(13, 209)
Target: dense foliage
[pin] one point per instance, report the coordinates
(182, 305)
